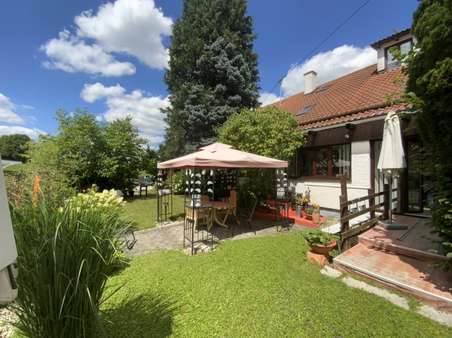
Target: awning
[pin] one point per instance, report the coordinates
(219, 155)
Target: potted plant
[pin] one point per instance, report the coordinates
(320, 242)
(299, 204)
(309, 210)
(316, 213)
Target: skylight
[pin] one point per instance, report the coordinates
(305, 109)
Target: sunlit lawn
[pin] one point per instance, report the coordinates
(144, 210)
(260, 287)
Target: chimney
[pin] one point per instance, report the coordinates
(310, 82)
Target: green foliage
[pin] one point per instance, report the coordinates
(81, 147)
(65, 256)
(14, 147)
(429, 88)
(150, 159)
(85, 152)
(43, 161)
(212, 72)
(124, 154)
(266, 131)
(318, 237)
(259, 287)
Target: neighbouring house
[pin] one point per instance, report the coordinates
(344, 121)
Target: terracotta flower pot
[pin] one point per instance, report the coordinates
(323, 249)
(316, 217)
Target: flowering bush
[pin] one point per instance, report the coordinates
(105, 201)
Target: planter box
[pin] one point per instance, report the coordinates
(323, 249)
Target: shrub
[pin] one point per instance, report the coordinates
(266, 131)
(65, 256)
(318, 237)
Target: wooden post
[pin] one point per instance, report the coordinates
(386, 202)
(343, 199)
(344, 212)
(371, 203)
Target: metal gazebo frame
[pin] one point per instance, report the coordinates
(199, 180)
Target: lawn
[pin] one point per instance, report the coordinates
(260, 287)
(144, 210)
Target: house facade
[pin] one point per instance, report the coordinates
(344, 120)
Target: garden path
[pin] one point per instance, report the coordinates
(170, 236)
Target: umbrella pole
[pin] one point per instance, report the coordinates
(390, 199)
(390, 225)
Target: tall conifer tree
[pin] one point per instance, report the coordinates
(212, 71)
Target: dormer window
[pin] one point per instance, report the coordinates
(404, 47)
(402, 40)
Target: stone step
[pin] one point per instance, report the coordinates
(396, 246)
(418, 277)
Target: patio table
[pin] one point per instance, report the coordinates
(216, 207)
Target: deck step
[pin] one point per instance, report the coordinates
(390, 243)
(418, 277)
(383, 245)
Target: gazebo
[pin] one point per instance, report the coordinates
(210, 164)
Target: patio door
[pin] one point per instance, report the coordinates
(419, 178)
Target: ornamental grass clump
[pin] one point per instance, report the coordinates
(65, 256)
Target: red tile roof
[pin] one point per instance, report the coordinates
(355, 96)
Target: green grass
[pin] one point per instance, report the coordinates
(143, 211)
(260, 287)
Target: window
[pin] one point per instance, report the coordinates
(404, 47)
(328, 162)
(305, 109)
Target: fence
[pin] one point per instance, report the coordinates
(363, 205)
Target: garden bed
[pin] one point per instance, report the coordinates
(269, 214)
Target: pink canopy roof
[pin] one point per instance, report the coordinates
(219, 155)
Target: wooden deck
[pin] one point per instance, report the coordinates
(404, 259)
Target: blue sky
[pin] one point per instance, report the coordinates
(111, 60)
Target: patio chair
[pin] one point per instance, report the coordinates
(248, 213)
(199, 215)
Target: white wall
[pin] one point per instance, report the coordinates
(8, 252)
(327, 193)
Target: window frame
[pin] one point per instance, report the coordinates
(330, 175)
(395, 63)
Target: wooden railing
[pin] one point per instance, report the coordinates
(363, 205)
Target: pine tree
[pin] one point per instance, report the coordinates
(212, 71)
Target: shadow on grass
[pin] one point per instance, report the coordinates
(142, 316)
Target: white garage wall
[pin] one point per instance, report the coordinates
(327, 193)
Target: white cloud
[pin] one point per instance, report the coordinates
(329, 65)
(31, 132)
(133, 27)
(96, 91)
(266, 98)
(144, 110)
(8, 111)
(71, 54)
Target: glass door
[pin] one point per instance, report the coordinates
(419, 178)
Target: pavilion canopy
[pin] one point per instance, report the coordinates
(219, 155)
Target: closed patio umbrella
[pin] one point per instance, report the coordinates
(392, 157)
